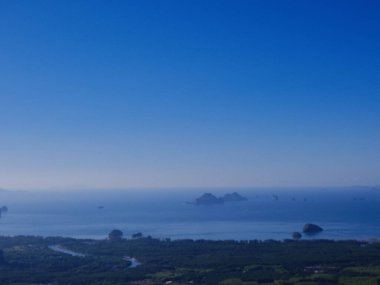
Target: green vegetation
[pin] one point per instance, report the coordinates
(29, 260)
(115, 235)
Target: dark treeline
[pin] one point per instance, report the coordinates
(29, 260)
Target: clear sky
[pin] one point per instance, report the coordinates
(189, 93)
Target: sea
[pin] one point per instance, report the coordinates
(269, 213)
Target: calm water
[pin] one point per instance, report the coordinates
(351, 213)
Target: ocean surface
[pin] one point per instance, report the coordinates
(344, 213)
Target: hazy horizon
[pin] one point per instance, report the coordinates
(216, 189)
(165, 94)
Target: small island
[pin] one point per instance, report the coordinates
(311, 229)
(3, 209)
(208, 199)
(234, 197)
(211, 199)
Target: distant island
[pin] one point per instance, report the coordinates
(3, 210)
(211, 199)
(311, 229)
(234, 197)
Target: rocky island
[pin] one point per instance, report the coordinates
(3, 210)
(234, 197)
(211, 199)
(311, 229)
(208, 199)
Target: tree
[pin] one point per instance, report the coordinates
(115, 235)
(296, 235)
(137, 235)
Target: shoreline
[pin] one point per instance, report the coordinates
(59, 248)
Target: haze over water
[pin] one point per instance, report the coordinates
(350, 213)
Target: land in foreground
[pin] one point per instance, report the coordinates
(32, 260)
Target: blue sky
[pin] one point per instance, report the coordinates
(189, 93)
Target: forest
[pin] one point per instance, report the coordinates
(31, 260)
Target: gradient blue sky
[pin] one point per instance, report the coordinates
(189, 93)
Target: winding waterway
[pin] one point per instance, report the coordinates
(59, 248)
